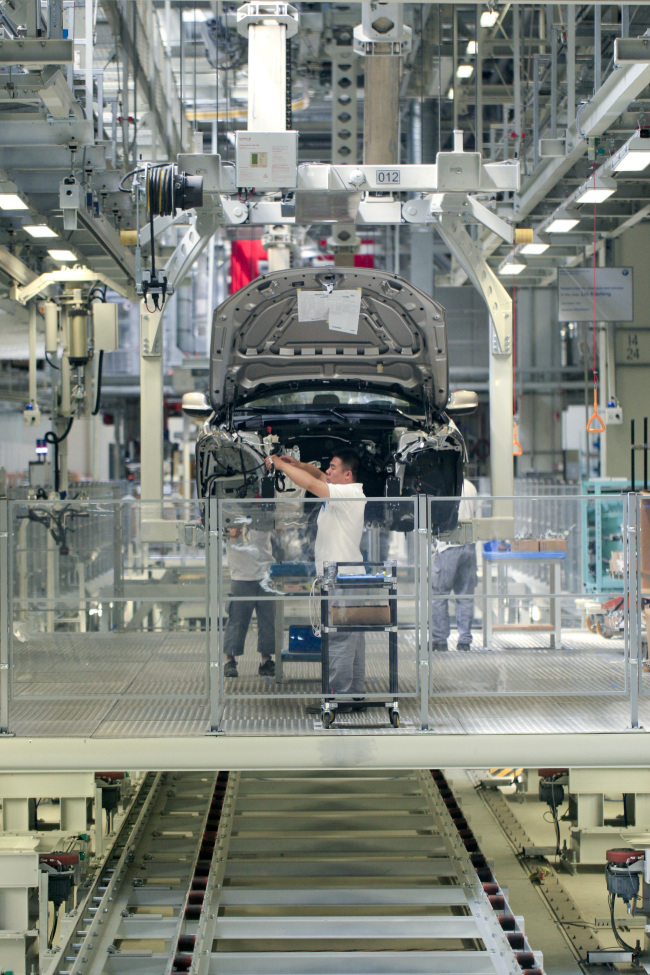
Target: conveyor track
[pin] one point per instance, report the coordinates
(292, 873)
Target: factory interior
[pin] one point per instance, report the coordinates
(324, 503)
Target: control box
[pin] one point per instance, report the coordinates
(266, 160)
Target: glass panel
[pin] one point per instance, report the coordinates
(518, 606)
(109, 616)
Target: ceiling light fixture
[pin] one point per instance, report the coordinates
(464, 71)
(634, 155)
(534, 248)
(511, 267)
(11, 201)
(450, 94)
(489, 18)
(596, 190)
(39, 230)
(62, 255)
(561, 225)
(471, 49)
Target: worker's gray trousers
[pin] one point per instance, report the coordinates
(453, 570)
(239, 617)
(347, 663)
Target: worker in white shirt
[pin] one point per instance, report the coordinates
(338, 539)
(249, 560)
(454, 570)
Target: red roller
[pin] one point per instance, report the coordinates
(551, 773)
(624, 856)
(113, 776)
(497, 902)
(59, 859)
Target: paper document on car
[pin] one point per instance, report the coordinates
(313, 306)
(344, 311)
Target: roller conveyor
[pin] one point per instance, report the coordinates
(296, 874)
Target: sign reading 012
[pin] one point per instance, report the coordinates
(387, 177)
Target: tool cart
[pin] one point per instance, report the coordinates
(370, 578)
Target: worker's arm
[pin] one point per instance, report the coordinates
(309, 468)
(303, 478)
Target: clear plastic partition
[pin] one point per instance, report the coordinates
(314, 601)
(455, 615)
(516, 613)
(640, 596)
(108, 604)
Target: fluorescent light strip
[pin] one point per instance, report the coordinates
(62, 255)
(561, 226)
(512, 269)
(534, 248)
(39, 230)
(11, 201)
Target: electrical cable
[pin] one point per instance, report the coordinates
(50, 940)
(53, 364)
(98, 397)
(51, 437)
(619, 940)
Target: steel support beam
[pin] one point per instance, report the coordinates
(499, 304)
(419, 750)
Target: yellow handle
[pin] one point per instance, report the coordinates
(516, 446)
(595, 424)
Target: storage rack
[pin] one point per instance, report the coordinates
(370, 575)
(602, 530)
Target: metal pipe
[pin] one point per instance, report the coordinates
(625, 20)
(571, 63)
(32, 353)
(516, 75)
(88, 10)
(455, 63)
(597, 48)
(479, 84)
(553, 126)
(536, 110)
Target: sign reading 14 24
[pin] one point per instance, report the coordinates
(387, 177)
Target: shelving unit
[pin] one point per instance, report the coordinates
(602, 522)
(375, 576)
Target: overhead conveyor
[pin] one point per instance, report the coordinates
(298, 872)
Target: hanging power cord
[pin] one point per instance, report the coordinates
(51, 437)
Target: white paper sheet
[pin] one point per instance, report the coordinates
(313, 306)
(344, 311)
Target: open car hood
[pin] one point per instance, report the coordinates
(258, 341)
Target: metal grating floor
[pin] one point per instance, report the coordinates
(154, 685)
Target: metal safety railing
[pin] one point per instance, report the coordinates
(126, 612)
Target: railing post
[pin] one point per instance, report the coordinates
(422, 603)
(632, 610)
(6, 615)
(214, 614)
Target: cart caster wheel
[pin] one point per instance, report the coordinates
(603, 630)
(327, 719)
(591, 624)
(394, 718)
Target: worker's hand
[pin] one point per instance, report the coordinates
(290, 460)
(268, 462)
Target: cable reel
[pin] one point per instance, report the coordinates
(165, 190)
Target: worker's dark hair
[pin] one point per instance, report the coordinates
(349, 461)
